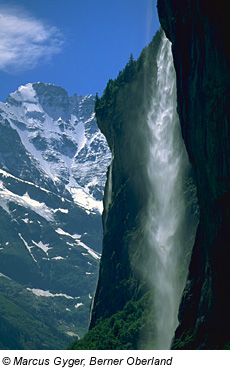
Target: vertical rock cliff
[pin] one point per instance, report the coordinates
(121, 309)
(148, 217)
(122, 117)
(199, 31)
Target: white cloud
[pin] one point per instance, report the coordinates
(25, 41)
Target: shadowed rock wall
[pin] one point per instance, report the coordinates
(199, 32)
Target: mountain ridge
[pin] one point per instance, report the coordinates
(53, 161)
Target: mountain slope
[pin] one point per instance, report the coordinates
(53, 161)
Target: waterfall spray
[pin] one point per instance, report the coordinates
(168, 217)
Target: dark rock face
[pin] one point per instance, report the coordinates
(199, 33)
(121, 116)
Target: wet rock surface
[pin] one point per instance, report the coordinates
(199, 34)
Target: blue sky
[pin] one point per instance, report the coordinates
(76, 44)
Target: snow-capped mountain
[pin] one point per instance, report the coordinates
(53, 163)
(61, 136)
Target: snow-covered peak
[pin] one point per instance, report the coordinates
(24, 94)
(32, 92)
(50, 99)
(54, 100)
(61, 135)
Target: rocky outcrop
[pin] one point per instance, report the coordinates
(122, 115)
(199, 33)
(127, 306)
(121, 316)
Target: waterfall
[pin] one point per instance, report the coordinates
(170, 227)
(109, 184)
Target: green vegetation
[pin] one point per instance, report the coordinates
(186, 341)
(128, 329)
(23, 330)
(28, 321)
(133, 85)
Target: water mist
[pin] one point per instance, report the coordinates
(170, 227)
